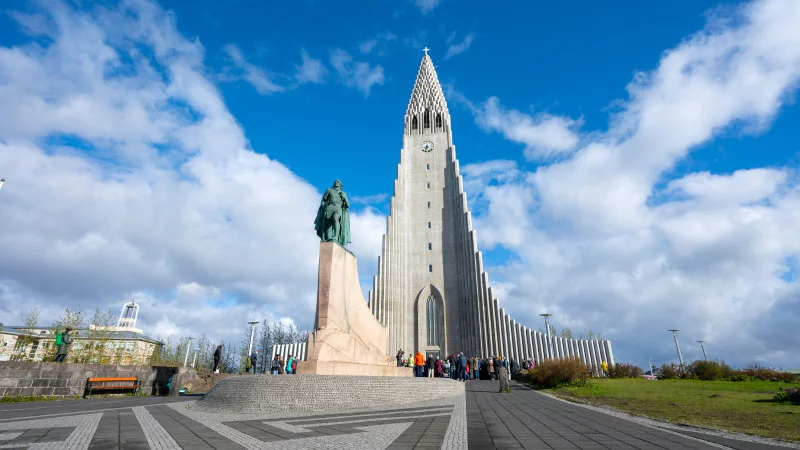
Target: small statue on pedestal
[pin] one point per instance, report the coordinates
(333, 220)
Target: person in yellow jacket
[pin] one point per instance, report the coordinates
(604, 366)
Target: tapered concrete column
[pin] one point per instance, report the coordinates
(610, 353)
(513, 336)
(602, 349)
(528, 344)
(597, 351)
(585, 353)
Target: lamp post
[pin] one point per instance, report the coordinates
(703, 349)
(549, 340)
(188, 347)
(194, 360)
(252, 331)
(677, 345)
(2, 180)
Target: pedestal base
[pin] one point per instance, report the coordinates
(342, 368)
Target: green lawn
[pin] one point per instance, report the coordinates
(743, 406)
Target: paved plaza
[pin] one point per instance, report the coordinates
(480, 419)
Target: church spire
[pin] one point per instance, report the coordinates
(427, 109)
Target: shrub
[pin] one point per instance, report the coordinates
(705, 370)
(669, 372)
(781, 396)
(756, 371)
(560, 372)
(624, 370)
(788, 395)
(740, 375)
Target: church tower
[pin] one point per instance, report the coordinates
(431, 291)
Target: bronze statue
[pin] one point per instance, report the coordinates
(333, 220)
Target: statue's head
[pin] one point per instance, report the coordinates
(337, 184)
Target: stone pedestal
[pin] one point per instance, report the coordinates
(347, 338)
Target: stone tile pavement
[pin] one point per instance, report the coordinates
(480, 419)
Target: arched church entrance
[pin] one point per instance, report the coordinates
(430, 325)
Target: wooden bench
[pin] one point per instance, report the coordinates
(98, 384)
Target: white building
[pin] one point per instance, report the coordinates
(121, 344)
(431, 291)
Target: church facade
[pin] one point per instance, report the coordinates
(431, 291)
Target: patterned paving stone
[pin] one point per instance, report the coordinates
(480, 419)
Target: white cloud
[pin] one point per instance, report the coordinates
(599, 244)
(258, 77)
(426, 6)
(459, 48)
(370, 199)
(126, 173)
(354, 74)
(377, 44)
(367, 46)
(544, 135)
(310, 71)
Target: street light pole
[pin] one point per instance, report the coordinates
(188, 347)
(194, 361)
(677, 345)
(549, 340)
(2, 180)
(252, 332)
(703, 349)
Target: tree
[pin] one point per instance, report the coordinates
(70, 319)
(31, 323)
(266, 339)
(99, 334)
(566, 333)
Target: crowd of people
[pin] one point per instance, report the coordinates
(460, 367)
(278, 366)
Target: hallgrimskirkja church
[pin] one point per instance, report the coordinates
(431, 291)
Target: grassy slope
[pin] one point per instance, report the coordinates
(735, 406)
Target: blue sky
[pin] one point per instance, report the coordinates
(184, 145)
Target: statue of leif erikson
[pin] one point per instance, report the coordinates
(333, 220)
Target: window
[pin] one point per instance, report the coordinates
(430, 268)
(427, 119)
(438, 121)
(429, 185)
(414, 124)
(432, 319)
(429, 205)
(427, 167)
(429, 225)
(430, 246)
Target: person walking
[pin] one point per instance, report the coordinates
(63, 341)
(462, 367)
(419, 362)
(254, 361)
(289, 365)
(475, 367)
(276, 362)
(281, 365)
(217, 357)
(430, 365)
